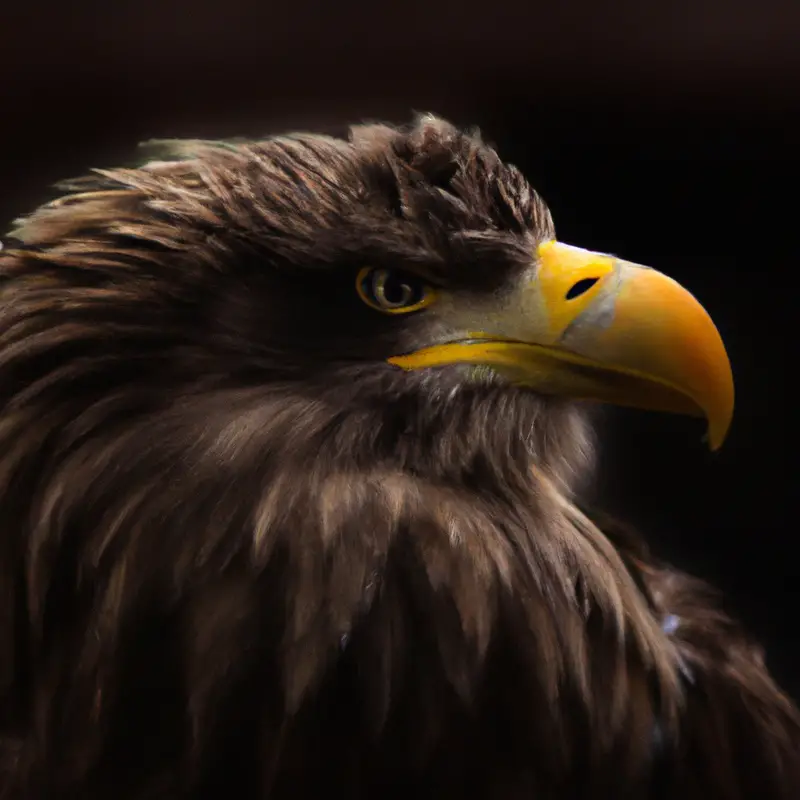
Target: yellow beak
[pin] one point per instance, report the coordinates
(593, 327)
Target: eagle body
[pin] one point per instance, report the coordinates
(258, 542)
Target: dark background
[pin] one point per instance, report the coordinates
(664, 132)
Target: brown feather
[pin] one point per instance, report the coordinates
(243, 556)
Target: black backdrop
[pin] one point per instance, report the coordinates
(666, 133)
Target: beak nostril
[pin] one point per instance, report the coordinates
(582, 286)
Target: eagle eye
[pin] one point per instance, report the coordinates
(392, 291)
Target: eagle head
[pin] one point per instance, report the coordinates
(289, 434)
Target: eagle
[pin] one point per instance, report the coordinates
(293, 435)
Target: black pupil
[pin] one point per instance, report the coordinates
(398, 290)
